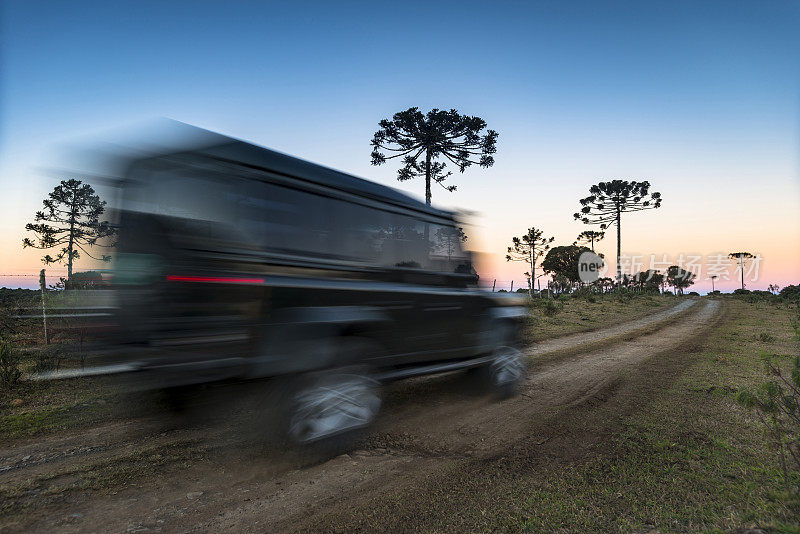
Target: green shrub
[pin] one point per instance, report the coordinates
(9, 364)
(48, 359)
(552, 306)
(791, 292)
(777, 404)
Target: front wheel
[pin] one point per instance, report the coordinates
(507, 371)
(503, 375)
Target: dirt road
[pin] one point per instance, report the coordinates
(433, 461)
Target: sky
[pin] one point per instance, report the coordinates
(701, 99)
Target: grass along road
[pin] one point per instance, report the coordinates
(567, 315)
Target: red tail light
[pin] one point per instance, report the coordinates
(214, 279)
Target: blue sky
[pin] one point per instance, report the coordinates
(700, 98)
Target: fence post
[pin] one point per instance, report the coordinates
(493, 284)
(512, 287)
(44, 309)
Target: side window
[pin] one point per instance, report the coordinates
(180, 191)
(284, 219)
(446, 252)
(358, 230)
(403, 243)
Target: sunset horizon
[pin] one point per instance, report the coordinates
(577, 105)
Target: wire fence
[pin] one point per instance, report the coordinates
(25, 280)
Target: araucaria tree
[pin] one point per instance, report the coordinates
(609, 200)
(741, 257)
(69, 222)
(529, 248)
(589, 237)
(424, 140)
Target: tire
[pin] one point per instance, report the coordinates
(332, 403)
(329, 409)
(502, 376)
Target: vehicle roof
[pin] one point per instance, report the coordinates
(264, 158)
(193, 140)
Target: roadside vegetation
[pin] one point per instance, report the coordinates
(29, 408)
(572, 314)
(684, 455)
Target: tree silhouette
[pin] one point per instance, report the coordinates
(649, 280)
(679, 278)
(589, 237)
(448, 239)
(741, 257)
(609, 200)
(70, 220)
(532, 246)
(421, 139)
(564, 261)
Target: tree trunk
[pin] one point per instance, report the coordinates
(533, 263)
(741, 266)
(42, 285)
(69, 257)
(70, 245)
(530, 280)
(427, 177)
(619, 248)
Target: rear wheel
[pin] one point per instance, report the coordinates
(335, 403)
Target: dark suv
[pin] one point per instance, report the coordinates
(237, 262)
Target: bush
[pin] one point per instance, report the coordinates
(741, 291)
(9, 364)
(552, 307)
(791, 292)
(48, 359)
(81, 280)
(694, 294)
(777, 404)
(766, 337)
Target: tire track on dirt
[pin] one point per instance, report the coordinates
(597, 336)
